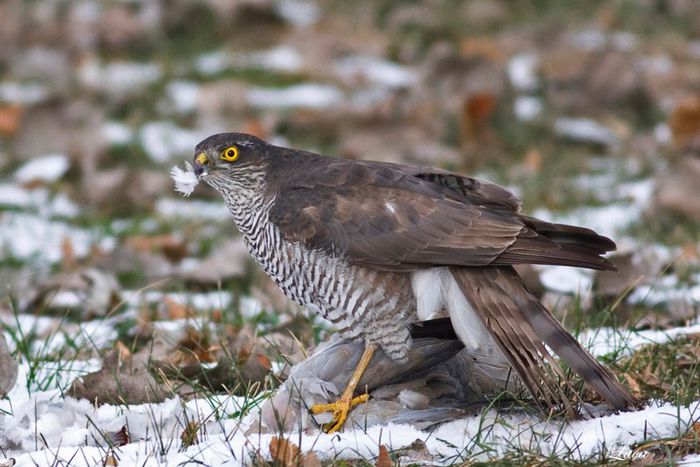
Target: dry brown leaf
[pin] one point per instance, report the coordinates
(110, 461)
(172, 248)
(685, 123)
(10, 119)
(199, 345)
(533, 161)
(174, 309)
(310, 460)
(477, 110)
(633, 385)
(383, 459)
(257, 128)
(284, 453)
(121, 437)
(68, 260)
(482, 48)
(189, 434)
(264, 361)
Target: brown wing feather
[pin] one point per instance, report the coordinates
(519, 322)
(397, 218)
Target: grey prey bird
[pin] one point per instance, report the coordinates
(374, 246)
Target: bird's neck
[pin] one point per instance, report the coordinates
(245, 199)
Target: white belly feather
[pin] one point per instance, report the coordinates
(436, 290)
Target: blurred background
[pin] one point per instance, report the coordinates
(589, 111)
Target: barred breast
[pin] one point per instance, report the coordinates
(361, 303)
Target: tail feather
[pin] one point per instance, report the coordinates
(559, 245)
(521, 326)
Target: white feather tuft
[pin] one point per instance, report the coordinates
(185, 180)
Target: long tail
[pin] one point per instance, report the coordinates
(521, 326)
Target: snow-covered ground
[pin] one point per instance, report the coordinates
(43, 427)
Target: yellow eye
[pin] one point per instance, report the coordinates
(230, 154)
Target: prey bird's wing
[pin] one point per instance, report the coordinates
(398, 218)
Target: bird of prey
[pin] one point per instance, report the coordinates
(374, 246)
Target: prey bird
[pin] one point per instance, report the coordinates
(374, 246)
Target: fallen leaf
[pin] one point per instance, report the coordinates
(478, 109)
(172, 248)
(633, 385)
(10, 118)
(189, 434)
(383, 459)
(310, 460)
(284, 453)
(533, 161)
(174, 309)
(121, 437)
(685, 123)
(110, 461)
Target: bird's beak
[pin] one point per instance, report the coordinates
(201, 161)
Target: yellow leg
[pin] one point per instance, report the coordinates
(342, 406)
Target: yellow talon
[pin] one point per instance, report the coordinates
(342, 406)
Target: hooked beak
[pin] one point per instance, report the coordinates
(200, 164)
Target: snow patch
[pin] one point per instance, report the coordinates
(522, 71)
(623, 342)
(13, 92)
(585, 130)
(47, 168)
(527, 108)
(310, 95)
(30, 237)
(117, 133)
(193, 210)
(565, 280)
(212, 63)
(374, 70)
(299, 13)
(164, 140)
(118, 78)
(284, 59)
(184, 95)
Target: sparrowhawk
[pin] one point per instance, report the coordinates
(374, 246)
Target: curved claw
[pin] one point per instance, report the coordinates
(340, 408)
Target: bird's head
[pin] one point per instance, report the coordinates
(227, 158)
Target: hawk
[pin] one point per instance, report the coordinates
(374, 246)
